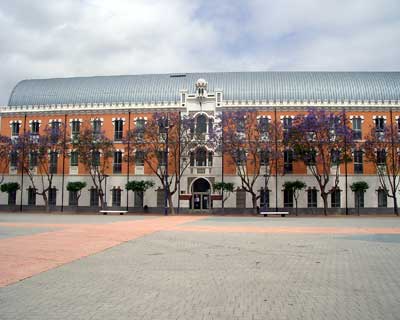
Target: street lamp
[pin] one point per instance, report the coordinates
(105, 191)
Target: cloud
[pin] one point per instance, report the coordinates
(42, 39)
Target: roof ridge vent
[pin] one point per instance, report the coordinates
(177, 75)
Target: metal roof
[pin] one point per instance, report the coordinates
(281, 86)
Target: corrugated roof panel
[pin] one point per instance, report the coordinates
(235, 85)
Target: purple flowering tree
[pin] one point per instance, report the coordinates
(38, 158)
(382, 150)
(322, 140)
(149, 142)
(249, 143)
(95, 152)
(6, 149)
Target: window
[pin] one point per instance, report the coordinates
(163, 125)
(312, 198)
(335, 198)
(55, 130)
(139, 158)
(96, 126)
(118, 129)
(264, 198)
(74, 159)
(381, 157)
(33, 159)
(139, 195)
(335, 157)
(95, 158)
(288, 198)
(15, 126)
(210, 159)
(52, 196)
(382, 198)
(75, 128)
(117, 166)
(287, 126)
(31, 196)
(263, 124)
(210, 126)
(53, 162)
(241, 124)
(140, 128)
(73, 198)
(357, 133)
(94, 197)
(358, 161)
(379, 124)
(201, 155)
(201, 124)
(264, 158)
(14, 159)
(161, 157)
(12, 197)
(359, 199)
(35, 127)
(116, 197)
(288, 161)
(310, 157)
(240, 157)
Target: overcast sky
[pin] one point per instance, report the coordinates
(65, 38)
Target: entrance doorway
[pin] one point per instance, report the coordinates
(201, 195)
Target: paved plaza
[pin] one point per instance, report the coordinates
(198, 267)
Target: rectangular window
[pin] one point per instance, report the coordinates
(382, 198)
(55, 131)
(264, 198)
(53, 162)
(264, 158)
(35, 127)
(359, 199)
(94, 197)
(74, 159)
(241, 124)
(263, 124)
(14, 159)
(357, 133)
(12, 198)
(95, 158)
(381, 157)
(335, 157)
(116, 197)
(31, 196)
(75, 128)
(139, 158)
(379, 124)
(96, 126)
(117, 165)
(118, 129)
(33, 159)
(163, 125)
(288, 161)
(288, 198)
(52, 196)
(287, 126)
(335, 198)
(161, 157)
(312, 198)
(73, 198)
(15, 126)
(358, 161)
(240, 157)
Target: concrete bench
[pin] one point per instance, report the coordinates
(121, 212)
(274, 213)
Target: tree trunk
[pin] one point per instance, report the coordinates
(295, 200)
(395, 208)
(171, 204)
(325, 199)
(254, 200)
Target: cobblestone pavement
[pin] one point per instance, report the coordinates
(175, 272)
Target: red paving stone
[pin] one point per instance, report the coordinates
(24, 256)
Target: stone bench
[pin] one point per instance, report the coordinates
(121, 212)
(274, 213)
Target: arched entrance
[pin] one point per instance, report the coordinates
(201, 190)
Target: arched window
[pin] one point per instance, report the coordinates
(201, 124)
